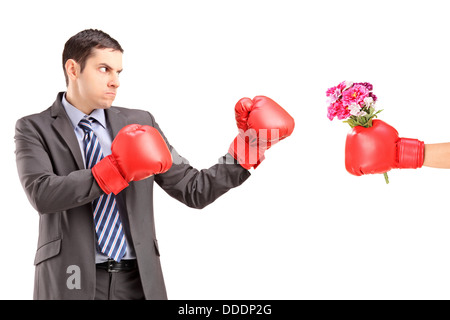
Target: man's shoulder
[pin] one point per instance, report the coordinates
(37, 117)
(47, 114)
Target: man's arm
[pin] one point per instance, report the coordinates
(198, 188)
(437, 155)
(260, 119)
(47, 191)
(137, 152)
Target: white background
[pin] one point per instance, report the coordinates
(301, 227)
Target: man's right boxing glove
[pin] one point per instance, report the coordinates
(137, 152)
(379, 149)
(261, 123)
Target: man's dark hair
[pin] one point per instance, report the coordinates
(79, 47)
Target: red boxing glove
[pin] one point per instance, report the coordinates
(262, 123)
(379, 149)
(137, 152)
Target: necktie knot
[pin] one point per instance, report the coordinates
(86, 124)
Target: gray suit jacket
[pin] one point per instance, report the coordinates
(51, 170)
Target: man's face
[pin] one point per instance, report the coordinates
(99, 81)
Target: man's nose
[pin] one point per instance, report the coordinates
(114, 81)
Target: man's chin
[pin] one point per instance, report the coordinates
(105, 101)
(106, 104)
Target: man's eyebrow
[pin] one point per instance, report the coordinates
(108, 66)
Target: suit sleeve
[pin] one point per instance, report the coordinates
(198, 188)
(47, 191)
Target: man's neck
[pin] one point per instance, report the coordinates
(75, 100)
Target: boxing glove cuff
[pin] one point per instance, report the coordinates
(410, 153)
(248, 155)
(108, 176)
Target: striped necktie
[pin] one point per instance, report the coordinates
(108, 226)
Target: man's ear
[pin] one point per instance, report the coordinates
(72, 69)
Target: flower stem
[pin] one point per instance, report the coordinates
(386, 178)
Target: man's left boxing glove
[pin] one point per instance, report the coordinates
(261, 122)
(137, 152)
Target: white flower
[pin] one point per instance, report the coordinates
(348, 84)
(335, 96)
(355, 110)
(368, 101)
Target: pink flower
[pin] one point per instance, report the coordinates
(338, 110)
(335, 92)
(340, 87)
(331, 113)
(343, 113)
(355, 94)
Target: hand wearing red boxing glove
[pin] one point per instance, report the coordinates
(137, 152)
(261, 123)
(379, 149)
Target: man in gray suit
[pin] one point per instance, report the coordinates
(50, 156)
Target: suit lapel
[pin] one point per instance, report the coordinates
(64, 128)
(115, 120)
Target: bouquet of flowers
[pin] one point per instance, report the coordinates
(354, 103)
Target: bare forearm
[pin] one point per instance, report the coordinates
(437, 155)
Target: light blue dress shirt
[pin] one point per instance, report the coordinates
(104, 136)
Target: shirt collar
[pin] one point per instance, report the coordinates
(75, 115)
